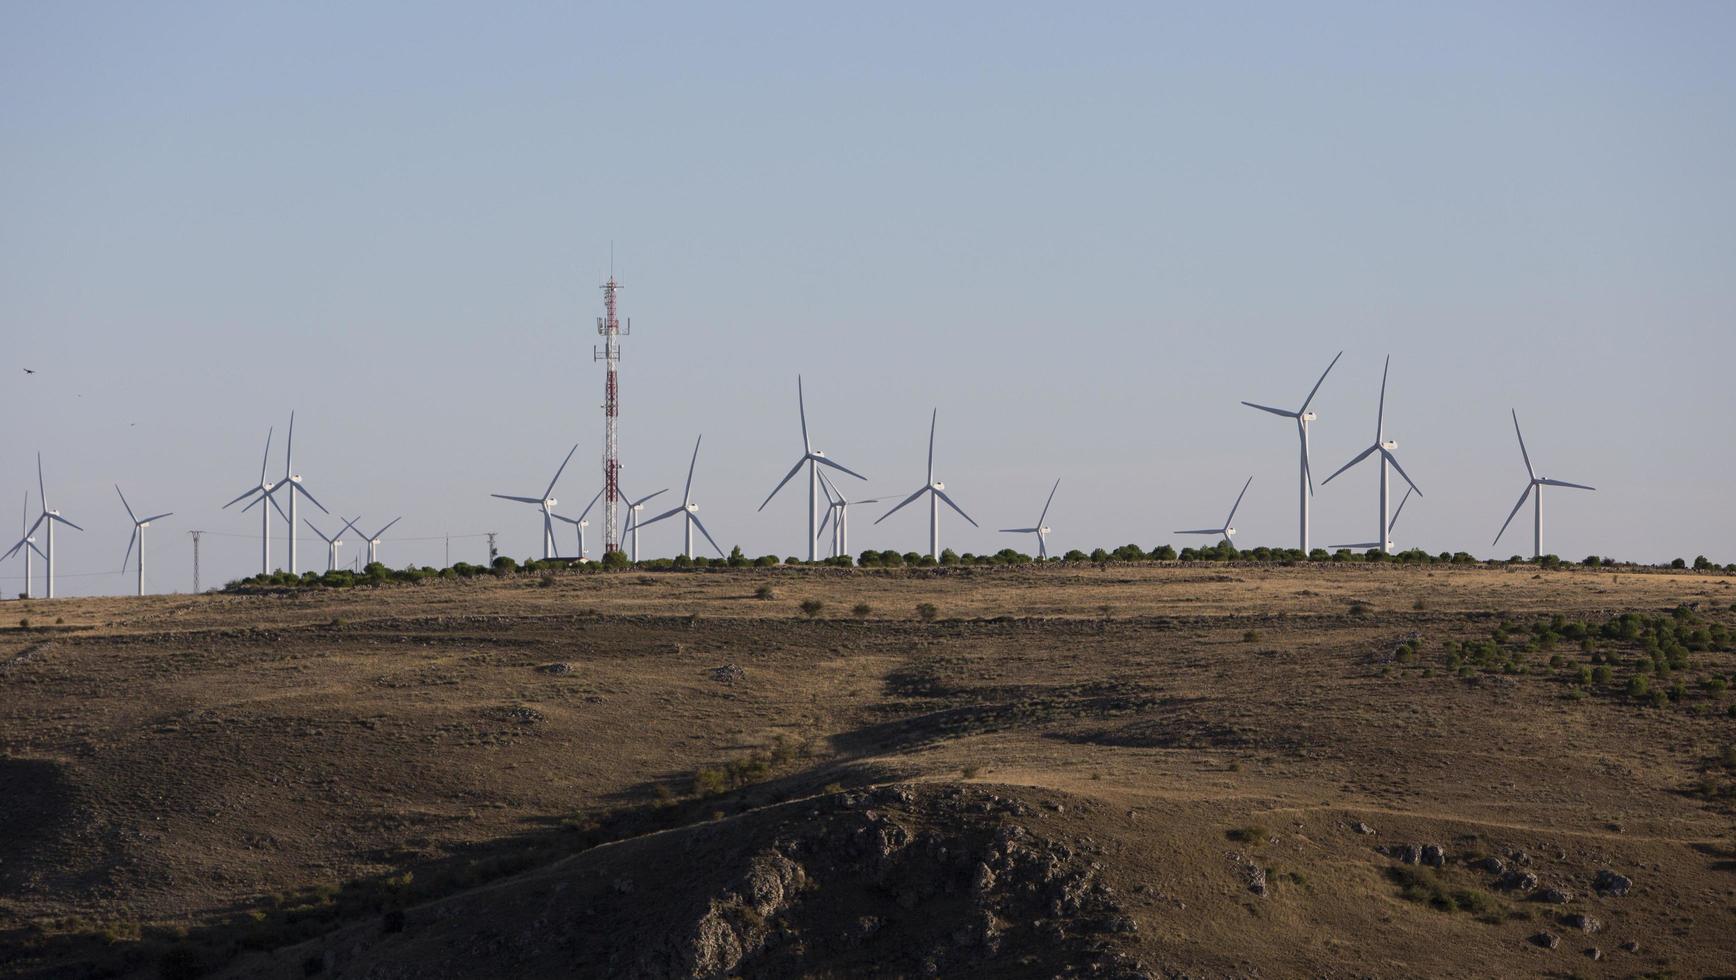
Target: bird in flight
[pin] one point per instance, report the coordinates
(29, 370)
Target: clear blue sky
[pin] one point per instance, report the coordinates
(1085, 234)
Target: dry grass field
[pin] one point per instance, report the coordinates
(1221, 770)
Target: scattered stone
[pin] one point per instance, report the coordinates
(1361, 828)
(557, 669)
(1546, 939)
(1582, 922)
(727, 674)
(1632, 945)
(1594, 953)
(1519, 858)
(1517, 881)
(1610, 883)
(1555, 896)
(1493, 865)
(1410, 854)
(1434, 856)
(1257, 880)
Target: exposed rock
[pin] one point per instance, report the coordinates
(1610, 883)
(1632, 945)
(1410, 854)
(1594, 953)
(1434, 856)
(1361, 828)
(1555, 896)
(1582, 922)
(1257, 879)
(558, 669)
(1493, 865)
(1546, 939)
(1519, 858)
(1517, 881)
(727, 674)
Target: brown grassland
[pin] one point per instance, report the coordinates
(1150, 770)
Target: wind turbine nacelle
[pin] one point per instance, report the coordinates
(1229, 532)
(1310, 417)
(1042, 530)
(938, 486)
(295, 479)
(693, 508)
(550, 502)
(584, 523)
(1389, 445)
(818, 453)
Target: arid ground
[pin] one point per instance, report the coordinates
(1147, 770)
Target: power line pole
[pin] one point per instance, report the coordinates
(448, 552)
(195, 535)
(492, 554)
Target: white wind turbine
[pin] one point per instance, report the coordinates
(1303, 416)
(688, 510)
(580, 523)
(1228, 531)
(546, 503)
(1391, 525)
(292, 480)
(26, 543)
(263, 490)
(334, 542)
(138, 536)
(838, 513)
(374, 539)
(813, 459)
(48, 517)
(1536, 485)
(936, 493)
(1385, 447)
(1041, 530)
(633, 509)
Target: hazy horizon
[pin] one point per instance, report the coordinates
(1084, 236)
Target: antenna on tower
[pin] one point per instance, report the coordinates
(610, 326)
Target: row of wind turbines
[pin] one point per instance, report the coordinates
(828, 505)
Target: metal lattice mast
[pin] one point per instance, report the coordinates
(609, 326)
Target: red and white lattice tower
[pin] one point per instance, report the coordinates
(609, 325)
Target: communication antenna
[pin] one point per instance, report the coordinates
(195, 535)
(612, 329)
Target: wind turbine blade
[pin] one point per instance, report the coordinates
(569, 520)
(1380, 416)
(289, 447)
(671, 512)
(558, 472)
(381, 532)
(1315, 390)
(1213, 530)
(695, 519)
(130, 514)
(21, 543)
(1274, 411)
(303, 491)
(1051, 500)
(522, 500)
(828, 461)
(1232, 518)
(277, 506)
(1307, 465)
(68, 523)
(903, 502)
(1564, 483)
(787, 478)
(129, 555)
(586, 512)
(1042, 547)
(1018, 530)
(1394, 461)
(250, 492)
(1394, 521)
(824, 518)
(649, 496)
(1528, 470)
(1359, 458)
(687, 493)
(157, 517)
(942, 495)
(265, 460)
(312, 527)
(549, 533)
(932, 422)
(828, 488)
(802, 407)
(350, 525)
(41, 487)
(1515, 513)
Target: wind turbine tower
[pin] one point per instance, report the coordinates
(610, 327)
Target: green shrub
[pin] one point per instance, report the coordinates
(811, 607)
(861, 610)
(926, 611)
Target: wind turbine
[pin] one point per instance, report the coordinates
(688, 510)
(580, 523)
(26, 542)
(633, 509)
(1303, 416)
(50, 517)
(1536, 485)
(1385, 447)
(813, 459)
(1228, 531)
(334, 542)
(839, 514)
(1041, 530)
(138, 536)
(293, 481)
(547, 503)
(1391, 525)
(936, 493)
(263, 490)
(374, 539)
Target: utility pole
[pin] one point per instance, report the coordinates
(195, 535)
(492, 554)
(609, 325)
(448, 551)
